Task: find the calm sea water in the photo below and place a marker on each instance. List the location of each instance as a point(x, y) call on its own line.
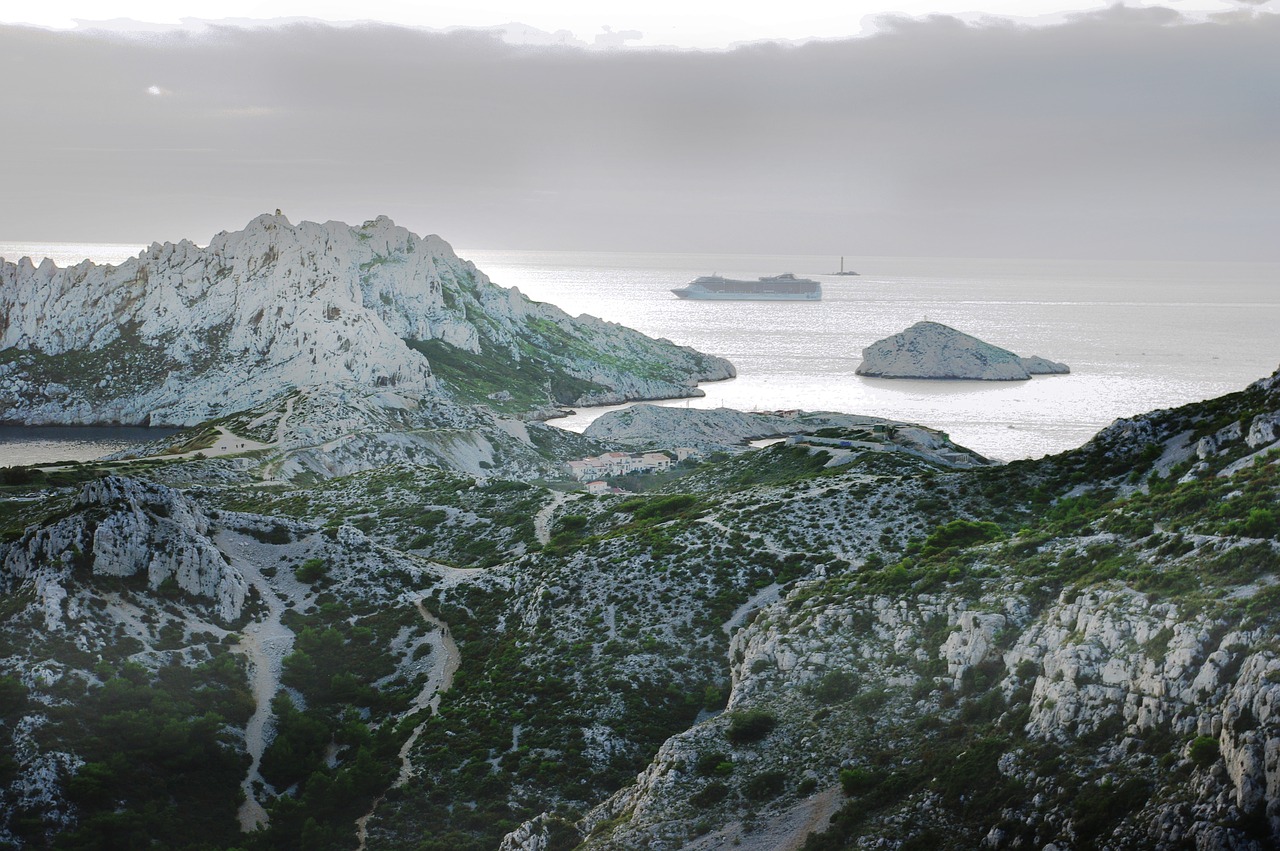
point(44, 445)
point(1137, 335)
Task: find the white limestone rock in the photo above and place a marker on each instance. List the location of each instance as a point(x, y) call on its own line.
point(934, 350)
point(124, 527)
point(973, 642)
point(532, 835)
point(725, 429)
point(1108, 662)
point(182, 334)
point(711, 428)
point(1264, 429)
point(1217, 442)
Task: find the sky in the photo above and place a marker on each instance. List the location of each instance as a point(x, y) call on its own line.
point(912, 128)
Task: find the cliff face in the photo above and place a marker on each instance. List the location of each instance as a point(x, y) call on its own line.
point(1174, 708)
point(933, 350)
point(182, 334)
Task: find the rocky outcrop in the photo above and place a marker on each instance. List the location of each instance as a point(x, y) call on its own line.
point(727, 430)
point(532, 835)
point(1108, 666)
point(124, 527)
point(933, 350)
point(182, 334)
point(712, 428)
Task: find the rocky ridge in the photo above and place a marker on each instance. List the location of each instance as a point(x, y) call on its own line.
point(183, 334)
point(934, 350)
point(712, 428)
point(1106, 666)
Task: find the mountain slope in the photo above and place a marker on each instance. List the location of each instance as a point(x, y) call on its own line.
point(1107, 678)
point(1082, 650)
point(183, 334)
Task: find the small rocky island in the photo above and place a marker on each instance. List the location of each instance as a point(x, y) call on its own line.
point(934, 350)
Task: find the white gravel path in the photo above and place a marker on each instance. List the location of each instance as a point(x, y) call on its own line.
point(542, 520)
point(444, 654)
point(264, 644)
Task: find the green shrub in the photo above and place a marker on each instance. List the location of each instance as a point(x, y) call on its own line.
point(713, 764)
point(712, 794)
point(835, 687)
point(1099, 808)
point(1261, 523)
point(960, 533)
point(750, 726)
point(1204, 751)
point(310, 571)
point(765, 786)
point(857, 781)
point(13, 696)
point(277, 534)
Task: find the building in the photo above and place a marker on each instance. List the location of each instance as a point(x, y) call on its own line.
point(619, 464)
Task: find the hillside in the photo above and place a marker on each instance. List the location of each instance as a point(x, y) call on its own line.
point(1082, 650)
point(183, 334)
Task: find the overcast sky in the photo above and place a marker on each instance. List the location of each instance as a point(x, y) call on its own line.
point(1122, 132)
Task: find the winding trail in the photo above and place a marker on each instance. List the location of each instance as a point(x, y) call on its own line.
point(542, 520)
point(264, 645)
point(782, 831)
point(438, 682)
point(230, 443)
point(446, 658)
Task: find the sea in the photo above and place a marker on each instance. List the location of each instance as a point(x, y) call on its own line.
point(1137, 335)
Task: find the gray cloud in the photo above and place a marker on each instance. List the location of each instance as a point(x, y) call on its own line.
point(1123, 133)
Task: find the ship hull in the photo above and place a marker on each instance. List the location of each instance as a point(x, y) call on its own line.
point(722, 295)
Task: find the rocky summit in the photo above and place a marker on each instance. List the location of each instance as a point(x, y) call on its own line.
point(182, 333)
point(934, 350)
point(364, 615)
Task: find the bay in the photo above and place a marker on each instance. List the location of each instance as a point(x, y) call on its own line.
point(27, 445)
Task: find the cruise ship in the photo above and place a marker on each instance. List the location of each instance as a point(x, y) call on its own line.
point(785, 287)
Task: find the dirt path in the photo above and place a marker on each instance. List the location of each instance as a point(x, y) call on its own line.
point(444, 653)
point(264, 645)
point(542, 520)
point(229, 443)
point(451, 577)
point(784, 831)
